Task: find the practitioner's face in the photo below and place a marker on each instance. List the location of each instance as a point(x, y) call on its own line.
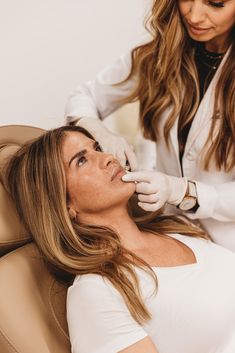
point(208, 21)
point(93, 177)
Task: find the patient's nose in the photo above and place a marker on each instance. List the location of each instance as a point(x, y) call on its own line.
point(107, 160)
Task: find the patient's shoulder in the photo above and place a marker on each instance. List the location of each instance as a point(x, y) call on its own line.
point(89, 277)
point(89, 280)
point(91, 283)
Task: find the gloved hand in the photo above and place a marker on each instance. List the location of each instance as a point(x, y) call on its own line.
point(155, 189)
point(110, 142)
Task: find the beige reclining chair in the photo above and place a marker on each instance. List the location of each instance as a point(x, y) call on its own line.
point(32, 302)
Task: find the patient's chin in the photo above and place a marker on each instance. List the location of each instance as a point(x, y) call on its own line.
point(129, 191)
point(129, 187)
point(133, 187)
point(120, 195)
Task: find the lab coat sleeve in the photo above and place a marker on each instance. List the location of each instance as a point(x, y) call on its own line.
point(217, 202)
point(100, 97)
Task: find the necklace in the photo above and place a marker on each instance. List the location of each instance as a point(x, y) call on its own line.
point(212, 55)
point(209, 59)
point(207, 63)
point(212, 67)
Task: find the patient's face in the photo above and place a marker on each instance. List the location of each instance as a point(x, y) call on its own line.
point(93, 177)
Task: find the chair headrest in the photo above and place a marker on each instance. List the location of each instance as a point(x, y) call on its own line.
point(32, 305)
point(12, 232)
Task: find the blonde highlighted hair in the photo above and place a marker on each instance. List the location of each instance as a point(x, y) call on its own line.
point(35, 178)
point(166, 70)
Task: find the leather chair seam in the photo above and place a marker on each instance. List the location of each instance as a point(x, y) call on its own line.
point(2, 258)
point(14, 242)
point(8, 342)
point(53, 312)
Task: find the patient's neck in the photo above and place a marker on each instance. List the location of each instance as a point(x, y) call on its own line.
point(120, 221)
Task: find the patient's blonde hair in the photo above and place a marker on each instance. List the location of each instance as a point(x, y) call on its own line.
point(35, 179)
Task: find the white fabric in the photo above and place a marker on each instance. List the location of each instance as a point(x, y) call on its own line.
point(154, 189)
point(99, 98)
point(192, 312)
point(216, 189)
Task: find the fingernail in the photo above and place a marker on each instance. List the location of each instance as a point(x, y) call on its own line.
point(125, 177)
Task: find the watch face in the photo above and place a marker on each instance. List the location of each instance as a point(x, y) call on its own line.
point(187, 203)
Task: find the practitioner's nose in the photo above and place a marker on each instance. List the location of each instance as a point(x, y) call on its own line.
point(197, 13)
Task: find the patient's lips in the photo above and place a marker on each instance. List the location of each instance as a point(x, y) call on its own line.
point(117, 173)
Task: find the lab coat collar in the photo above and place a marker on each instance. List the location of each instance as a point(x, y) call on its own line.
point(202, 117)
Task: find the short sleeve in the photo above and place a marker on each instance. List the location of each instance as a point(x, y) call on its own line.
point(98, 319)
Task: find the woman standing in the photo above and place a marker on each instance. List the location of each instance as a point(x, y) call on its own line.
point(184, 79)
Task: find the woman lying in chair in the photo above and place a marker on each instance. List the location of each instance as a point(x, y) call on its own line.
point(146, 285)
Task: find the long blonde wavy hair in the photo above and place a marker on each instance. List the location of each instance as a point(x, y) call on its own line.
point(35, 179)
point(166, 68)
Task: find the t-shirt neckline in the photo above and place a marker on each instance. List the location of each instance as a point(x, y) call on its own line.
point(186, 240)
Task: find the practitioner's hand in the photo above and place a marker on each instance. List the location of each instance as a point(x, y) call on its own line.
point(110, 142)
point(155, 189)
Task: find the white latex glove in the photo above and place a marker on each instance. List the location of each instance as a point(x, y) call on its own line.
point(155, 189)
point(110, 142)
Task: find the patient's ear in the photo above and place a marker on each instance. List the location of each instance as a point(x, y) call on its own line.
point(72, 213)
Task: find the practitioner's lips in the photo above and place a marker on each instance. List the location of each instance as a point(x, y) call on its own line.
point(117, 173)
point(197, 30)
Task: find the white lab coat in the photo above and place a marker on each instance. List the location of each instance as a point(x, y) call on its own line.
point(216, 189)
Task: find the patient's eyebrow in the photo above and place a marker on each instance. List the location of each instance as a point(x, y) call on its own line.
point(83, 152)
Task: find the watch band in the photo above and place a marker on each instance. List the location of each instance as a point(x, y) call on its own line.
point(190, 201)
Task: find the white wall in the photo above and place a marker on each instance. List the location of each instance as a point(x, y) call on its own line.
point(49, 46)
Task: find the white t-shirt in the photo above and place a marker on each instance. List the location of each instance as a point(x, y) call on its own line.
point(193, 310)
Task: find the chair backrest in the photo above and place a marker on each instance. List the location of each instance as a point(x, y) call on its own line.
point(32, 301)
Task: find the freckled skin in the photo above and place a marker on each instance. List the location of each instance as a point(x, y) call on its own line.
point(88, 178)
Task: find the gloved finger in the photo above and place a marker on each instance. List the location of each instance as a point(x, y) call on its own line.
point(153, 198)
point(121, 157)
point(106, 147)
point(111, 147)
point(145, 188)
point(150, 207)
point(138, 176)
point(131, 157)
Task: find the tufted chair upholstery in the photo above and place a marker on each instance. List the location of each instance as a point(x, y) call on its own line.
point(32, 301)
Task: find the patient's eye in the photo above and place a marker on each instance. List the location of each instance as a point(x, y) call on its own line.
point(80, 161)
point(98, 148)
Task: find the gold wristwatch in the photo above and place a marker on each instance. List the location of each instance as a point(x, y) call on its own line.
point(190, 200)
